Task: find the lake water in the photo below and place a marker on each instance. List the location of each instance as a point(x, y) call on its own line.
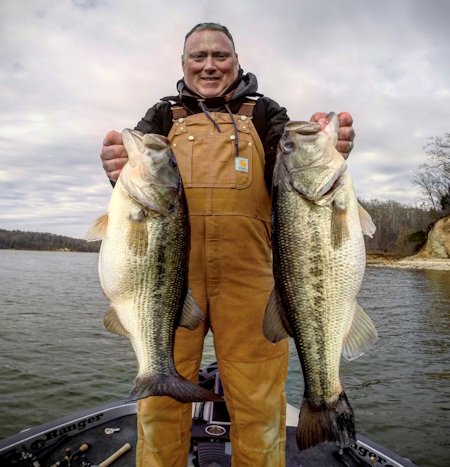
point(56, 358)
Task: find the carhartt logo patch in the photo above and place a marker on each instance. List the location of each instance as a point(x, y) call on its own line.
point(241, 164)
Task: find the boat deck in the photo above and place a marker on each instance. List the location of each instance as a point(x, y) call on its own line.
point(102, 446)
point(47, 445)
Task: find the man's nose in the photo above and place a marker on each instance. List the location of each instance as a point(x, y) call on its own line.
point(210, 64)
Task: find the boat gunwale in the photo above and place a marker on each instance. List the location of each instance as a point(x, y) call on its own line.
point(364, 448)
point(109, 411)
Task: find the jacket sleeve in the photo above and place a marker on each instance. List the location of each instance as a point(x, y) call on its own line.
point(158, 120)
point(269, 119)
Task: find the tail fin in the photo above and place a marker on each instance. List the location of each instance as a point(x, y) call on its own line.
point(175, 386)
point(327, 423)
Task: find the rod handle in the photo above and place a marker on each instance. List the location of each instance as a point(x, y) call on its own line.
point(126, 447)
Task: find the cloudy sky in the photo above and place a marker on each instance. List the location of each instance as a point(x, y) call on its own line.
point(72, 70)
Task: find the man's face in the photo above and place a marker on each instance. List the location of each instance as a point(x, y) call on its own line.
point(209, 62)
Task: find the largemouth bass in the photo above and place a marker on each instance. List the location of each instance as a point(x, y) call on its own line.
point(319, 262)
point(143, 265)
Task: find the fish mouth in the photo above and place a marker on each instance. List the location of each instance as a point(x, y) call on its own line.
point(331, 115)
point(302, 128)
point(333, 122)
point(327, 190)
point(333, 185)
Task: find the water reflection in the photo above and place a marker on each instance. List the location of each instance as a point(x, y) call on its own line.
point(438, 313)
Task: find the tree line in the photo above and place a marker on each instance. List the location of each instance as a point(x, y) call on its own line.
point(401, 229)
point(19, 240)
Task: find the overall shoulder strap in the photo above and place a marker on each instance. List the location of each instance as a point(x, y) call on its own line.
point(178, 111)
point(247, 108)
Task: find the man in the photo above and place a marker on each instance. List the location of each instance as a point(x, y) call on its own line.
point(224, 136)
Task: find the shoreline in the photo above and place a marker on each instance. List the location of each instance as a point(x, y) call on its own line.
point(436, 264)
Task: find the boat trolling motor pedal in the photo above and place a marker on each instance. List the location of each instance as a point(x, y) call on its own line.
point(211, 424)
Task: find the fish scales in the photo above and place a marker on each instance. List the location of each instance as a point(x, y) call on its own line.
point(163, 263)
point(319, 263)
point(143, 265)
point(329, 280)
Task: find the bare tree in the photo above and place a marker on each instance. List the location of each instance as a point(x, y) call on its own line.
point(401, 229)
point(433, 177)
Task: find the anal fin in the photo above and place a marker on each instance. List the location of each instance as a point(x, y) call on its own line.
point(192, 315)
point(275, 325)
point(361, 336)
point(113, 324)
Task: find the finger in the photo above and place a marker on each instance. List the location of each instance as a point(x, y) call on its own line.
point(113, 167)
point(345, 119)
point(346, 133)
point(344, 147)
point(109, 153)
point(115, 163)
point(114, 176)
point(113, 152)
point(317, 116)
point(112, 137)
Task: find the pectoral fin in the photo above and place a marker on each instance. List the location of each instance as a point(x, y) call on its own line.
point(113, 324)
point(192, 315)
point(339, 221)
point(98, 229)
point(361, 336)
point(138, 235)
point(275, 325)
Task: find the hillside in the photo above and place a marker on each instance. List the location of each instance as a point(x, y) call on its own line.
point(19, 240)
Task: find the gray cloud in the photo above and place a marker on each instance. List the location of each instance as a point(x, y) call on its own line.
point(73, 70)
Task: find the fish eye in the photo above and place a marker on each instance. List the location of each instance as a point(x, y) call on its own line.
point(288, 145)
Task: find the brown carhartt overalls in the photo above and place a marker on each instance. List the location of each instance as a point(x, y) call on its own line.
point(230, 273)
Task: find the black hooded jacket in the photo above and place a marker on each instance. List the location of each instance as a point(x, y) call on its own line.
point(268, 117)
